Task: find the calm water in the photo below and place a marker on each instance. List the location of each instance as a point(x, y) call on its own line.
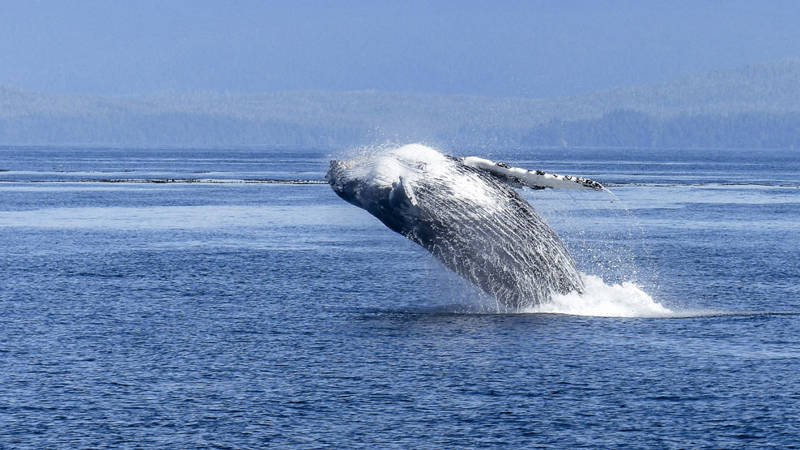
point(245, 314)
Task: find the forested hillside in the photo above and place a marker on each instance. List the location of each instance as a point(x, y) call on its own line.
point(754, 107)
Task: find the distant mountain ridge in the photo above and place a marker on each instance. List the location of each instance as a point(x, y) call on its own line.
point(759, 103)
point(772, 88)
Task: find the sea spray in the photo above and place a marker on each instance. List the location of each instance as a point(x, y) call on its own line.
point(626, 299)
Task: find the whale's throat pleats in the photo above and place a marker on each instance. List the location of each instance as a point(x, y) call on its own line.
point(489, 235)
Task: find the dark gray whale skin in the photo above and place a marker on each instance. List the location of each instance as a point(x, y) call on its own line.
point(506, 248)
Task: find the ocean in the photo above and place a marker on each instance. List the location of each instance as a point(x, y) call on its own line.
point(229, 298)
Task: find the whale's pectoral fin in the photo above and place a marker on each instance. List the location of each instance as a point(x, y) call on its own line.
point(535, 179)
point(402, 194)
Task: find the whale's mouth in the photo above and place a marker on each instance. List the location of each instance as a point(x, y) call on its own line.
point(334, 172)
point(341, 180)
point(342, 184)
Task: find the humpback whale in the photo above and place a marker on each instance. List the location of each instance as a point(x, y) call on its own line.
point(467, 213)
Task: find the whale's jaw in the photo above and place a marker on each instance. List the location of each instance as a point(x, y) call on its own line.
point(337, 178)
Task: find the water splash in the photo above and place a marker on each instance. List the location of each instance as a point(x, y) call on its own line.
point(605, 300)
point(613, 249)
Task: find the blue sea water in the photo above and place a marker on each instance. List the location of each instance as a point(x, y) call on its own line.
point(138, 308)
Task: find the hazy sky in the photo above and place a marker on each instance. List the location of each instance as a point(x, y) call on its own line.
point(505, 48)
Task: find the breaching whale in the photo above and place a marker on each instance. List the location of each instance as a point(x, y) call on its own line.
point(466, 212)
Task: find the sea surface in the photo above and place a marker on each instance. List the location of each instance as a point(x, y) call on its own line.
point(228, 298)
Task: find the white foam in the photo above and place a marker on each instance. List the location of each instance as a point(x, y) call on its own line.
point(407, 162)
point(412, 163)
point(605, 300)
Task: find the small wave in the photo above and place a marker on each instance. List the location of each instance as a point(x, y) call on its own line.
point(604, 300)
point(705, 185)
point(205, 181)
point(176, 181)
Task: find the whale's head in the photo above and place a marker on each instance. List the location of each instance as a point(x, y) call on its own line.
point(344, 182)
point(384, 183)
